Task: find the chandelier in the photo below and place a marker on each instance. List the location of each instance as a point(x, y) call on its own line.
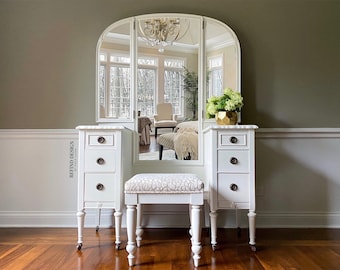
point(162, 32)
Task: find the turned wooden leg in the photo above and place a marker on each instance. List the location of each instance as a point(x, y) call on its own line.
point(190, 221)
point(139, 229)
point(131, 233)
point(251, 218)
point(196, 247)
point(213, 229)
point(98, 218)
point(80, 220)
point(118, 226)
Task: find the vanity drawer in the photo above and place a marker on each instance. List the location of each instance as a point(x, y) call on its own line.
point(233, 161)
point(99, 187)
point(232, 189)
point(94, 139)
point(100, 161)
point(232, 139)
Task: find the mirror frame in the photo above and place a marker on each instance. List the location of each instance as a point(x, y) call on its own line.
point(131, 123)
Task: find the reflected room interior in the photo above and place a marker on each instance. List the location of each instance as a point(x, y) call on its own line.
point(164, 59)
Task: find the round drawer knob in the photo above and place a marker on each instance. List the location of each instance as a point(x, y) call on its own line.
point(100, 187)
point(234, 160)
point(101, 139)
point(233, 187)
point(100, 161)
point(233, 139)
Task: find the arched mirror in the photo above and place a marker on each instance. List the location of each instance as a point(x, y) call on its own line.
point(154, 74)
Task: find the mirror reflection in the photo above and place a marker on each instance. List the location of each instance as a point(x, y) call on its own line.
point(114, 74)
point(168, 53)
point(154, 75)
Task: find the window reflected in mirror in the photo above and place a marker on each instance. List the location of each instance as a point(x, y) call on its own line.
point(222, 59)
point(114, 74)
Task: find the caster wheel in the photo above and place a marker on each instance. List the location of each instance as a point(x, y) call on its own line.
point(97, 228)
point(253, 248)
point(214, 247)
point(79, 246)
point(117, 246)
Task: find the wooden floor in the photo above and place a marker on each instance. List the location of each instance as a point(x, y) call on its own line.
point(152, 147)
point(165, 249)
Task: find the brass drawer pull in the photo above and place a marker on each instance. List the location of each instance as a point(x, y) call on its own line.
point(233, 139)
point(100, 161)
point(101, 139)
point(100, 187)
point(234, 160)
point(233, 187)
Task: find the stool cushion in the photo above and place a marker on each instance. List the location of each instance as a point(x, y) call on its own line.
point(167, 140)
point(164, 183)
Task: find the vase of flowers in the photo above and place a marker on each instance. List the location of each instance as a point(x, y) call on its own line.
point(224, 108)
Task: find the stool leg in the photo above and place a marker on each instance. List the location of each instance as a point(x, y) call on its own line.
point(131, 233)
point(196, 247)
point(139, 229)
point(118, 224)
point(160, 152)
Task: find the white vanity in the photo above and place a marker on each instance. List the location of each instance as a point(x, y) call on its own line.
point(134, 75)
point(102, 168)
point(229, 163)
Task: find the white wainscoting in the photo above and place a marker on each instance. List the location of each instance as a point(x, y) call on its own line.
point(298, 177)
point(297, 184)
point(38, 172)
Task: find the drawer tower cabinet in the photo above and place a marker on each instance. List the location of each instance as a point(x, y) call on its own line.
point(102, 168)
point(230, 172)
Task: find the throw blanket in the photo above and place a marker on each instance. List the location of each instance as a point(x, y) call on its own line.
point(185, 143)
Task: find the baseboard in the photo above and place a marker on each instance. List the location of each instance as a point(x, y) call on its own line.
point(298, 220)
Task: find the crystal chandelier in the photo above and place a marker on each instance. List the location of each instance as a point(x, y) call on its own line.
point(162, 32)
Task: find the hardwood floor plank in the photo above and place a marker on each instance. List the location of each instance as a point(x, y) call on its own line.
point(169, 249)
point(22, 257)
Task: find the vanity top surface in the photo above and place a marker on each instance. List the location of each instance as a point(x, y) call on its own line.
point(219, 127)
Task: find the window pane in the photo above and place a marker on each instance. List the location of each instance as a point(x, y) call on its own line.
point(150, 61)
point(102, 85)
point(216, 62)
point(103, 57)
point(175, 63)
point(215, 76)
point(119, 103)
point(216, 83)
point(173, 89)
point(119, 59)
point(146, 91)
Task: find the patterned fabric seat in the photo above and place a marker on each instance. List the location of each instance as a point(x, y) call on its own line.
point(166, 140)
point(164, 183)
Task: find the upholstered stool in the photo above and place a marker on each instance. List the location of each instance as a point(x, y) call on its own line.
point(159, 188)
point(166, 140)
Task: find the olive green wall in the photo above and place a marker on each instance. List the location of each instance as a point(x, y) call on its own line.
point(290, 58)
